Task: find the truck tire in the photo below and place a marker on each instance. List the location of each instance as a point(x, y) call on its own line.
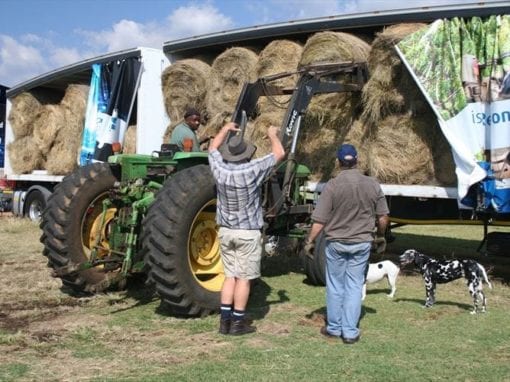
point(35, 203)
point(69, 226)
point(315, 269)
point(182, 243)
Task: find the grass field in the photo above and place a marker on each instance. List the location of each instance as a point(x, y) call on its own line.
point(46, 335)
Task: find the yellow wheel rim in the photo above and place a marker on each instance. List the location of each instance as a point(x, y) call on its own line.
point(204, 249)
point(92, 229)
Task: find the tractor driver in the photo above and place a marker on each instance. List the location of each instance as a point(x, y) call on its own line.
point(184, 134)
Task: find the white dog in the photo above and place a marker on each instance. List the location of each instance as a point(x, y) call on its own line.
point(377, 271)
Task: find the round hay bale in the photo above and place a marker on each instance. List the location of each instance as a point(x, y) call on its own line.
point(382, 50)
point(62, 158)
point(334, 110)
point(257, 132)
point(401, 152)
point(214, 124)
point(76, 98)
point(326, 47)
point(229, 71)
point(48, 121)
point(129, 146)
point(184, 85)
point(317, 145)
point(23, 111)
point(24, 155)
point(277, 57)
point(72, 127)
point(65, 150)
point(390, 89)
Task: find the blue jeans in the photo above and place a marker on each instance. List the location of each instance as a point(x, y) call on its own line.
point(345, 276)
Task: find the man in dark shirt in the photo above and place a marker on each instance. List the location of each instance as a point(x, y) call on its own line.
point(349, 209)
point(184, 134)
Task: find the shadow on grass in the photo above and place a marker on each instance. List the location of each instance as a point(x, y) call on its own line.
point(319, 316)
point(446, 303)
point(259, 304)
point(139, 290)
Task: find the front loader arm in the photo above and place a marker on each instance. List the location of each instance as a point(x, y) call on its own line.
point(313, 79)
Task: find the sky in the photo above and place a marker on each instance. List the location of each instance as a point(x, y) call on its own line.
point(37, 36)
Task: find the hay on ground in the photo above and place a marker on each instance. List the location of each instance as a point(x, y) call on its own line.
point(23, 111)
point(185, 85)
point(24, 155)
point(48, 121)
point(229, 71)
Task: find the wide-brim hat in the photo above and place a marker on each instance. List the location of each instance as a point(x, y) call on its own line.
point(237, 151)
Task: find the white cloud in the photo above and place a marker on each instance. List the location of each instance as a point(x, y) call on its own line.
point(30, 55)
point(196, 20)
point(19, 61)
point(184, 21)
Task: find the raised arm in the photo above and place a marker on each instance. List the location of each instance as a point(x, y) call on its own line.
point(276, 144)
point(222, 135)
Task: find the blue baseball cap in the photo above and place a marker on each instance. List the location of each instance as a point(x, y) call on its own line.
point(347, 154)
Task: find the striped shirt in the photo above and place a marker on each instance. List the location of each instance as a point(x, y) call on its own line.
point(239, 190)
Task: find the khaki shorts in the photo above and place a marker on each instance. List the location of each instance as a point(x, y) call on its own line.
point(241, 251)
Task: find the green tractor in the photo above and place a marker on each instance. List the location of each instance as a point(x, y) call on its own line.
point(155, 214)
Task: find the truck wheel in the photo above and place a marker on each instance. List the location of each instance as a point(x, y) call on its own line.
point(35, 203)
point(315, 269)
point(183, 245)
point(70, 226)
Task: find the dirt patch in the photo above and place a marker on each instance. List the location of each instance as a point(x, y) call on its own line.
point(313, 319)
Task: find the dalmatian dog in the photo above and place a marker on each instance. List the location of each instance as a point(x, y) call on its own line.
point(377, 271)
point(440, 272)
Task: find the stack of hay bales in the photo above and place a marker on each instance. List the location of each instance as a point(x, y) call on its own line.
point(277, 57)
point(63, 155)
point(390, 122)
point(23, 152)
point(52, 132)
point(330, 116)
point(403, 142)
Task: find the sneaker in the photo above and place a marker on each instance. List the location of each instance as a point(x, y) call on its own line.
point(225, 325)
point(240, 327)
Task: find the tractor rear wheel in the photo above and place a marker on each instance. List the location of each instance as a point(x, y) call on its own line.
point(315, 269)
point(182, 243)
point(70, 225)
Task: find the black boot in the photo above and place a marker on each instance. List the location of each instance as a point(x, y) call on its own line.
point(225, 324)
point(240, 327)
